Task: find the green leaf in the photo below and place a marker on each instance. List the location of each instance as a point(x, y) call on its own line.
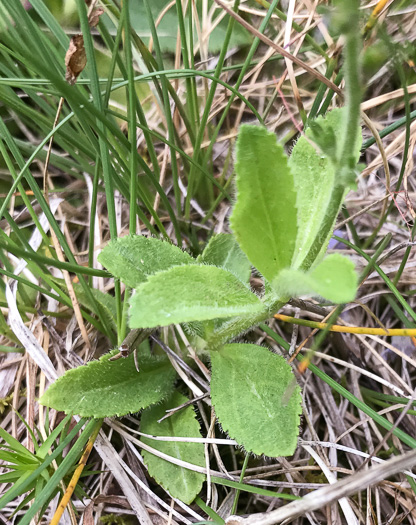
point(14, 444)
point(104, 389)
point(264, 219)
point(314, 179)
point(181, 483)
point(313, 171)
point(134, 257)
point(224, 251)
point(334, 279)
point(256, 398)
point(190, 293)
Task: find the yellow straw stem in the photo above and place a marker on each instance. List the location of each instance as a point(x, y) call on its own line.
point(374, 15)
point(74, 480)
point(363, 330)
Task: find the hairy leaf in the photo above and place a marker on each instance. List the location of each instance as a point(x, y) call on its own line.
point(224, 251)
point(181, 483)
point(104, 389)
point(334, 279)
point(134, 257)
point(190, 293)
point(264, 219)
point(314, 176)
point(256, 398)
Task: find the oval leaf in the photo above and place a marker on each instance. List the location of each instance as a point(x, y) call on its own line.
point(264, 218)
point(333, 279)
point(314, 176)
point(223, 251)
point(314, 179)
point(134, 257)
point(104, 389)
point(181, 483)
point(256, 398)
point(190, 293)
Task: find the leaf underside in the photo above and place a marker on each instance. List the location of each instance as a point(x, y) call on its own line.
point(190, 293)
point(333, 279)
point(181, 483)
point(104, 389)
point(314, 178)
point(256, 398)
point(264, 218)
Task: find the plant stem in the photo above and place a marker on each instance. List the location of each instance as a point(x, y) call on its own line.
point(409, 332)
point(237, 492)
point(239, 325)
point(353, 89)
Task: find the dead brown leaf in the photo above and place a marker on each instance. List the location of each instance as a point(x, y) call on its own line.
point(75, 59)
point(94, 16)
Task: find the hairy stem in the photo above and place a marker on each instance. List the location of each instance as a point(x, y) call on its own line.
point(238, 326)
